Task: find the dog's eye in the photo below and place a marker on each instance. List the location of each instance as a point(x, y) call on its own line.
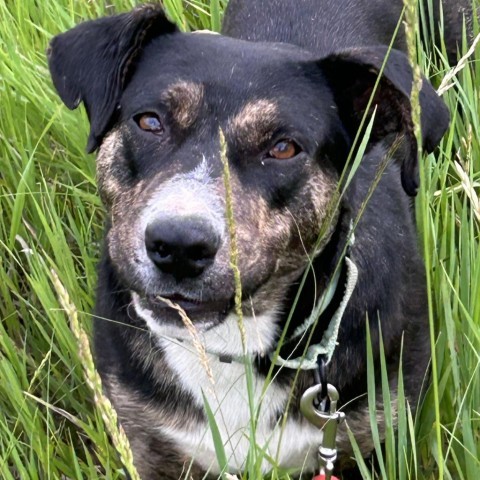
point(284, 149)
point(150, 123)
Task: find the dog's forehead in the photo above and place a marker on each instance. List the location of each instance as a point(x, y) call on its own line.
point(189, 68)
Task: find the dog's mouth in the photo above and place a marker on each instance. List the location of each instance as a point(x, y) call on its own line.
point(170, 307)
point(191, 306)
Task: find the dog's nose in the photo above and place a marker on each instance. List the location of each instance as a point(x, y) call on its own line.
point(182, 247)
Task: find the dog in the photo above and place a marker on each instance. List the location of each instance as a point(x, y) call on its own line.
point(287, 84)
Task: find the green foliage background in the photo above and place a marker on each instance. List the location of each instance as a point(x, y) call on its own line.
point(52, 220)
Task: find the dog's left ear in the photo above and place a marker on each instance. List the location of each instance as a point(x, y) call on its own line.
point(352, 75)
point(93, 61)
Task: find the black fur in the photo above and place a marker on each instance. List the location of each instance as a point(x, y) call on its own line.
point(320, 79)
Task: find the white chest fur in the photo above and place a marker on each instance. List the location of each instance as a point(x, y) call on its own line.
point(291, 445)
point(228, 398)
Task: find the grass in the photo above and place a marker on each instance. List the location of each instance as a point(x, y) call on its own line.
point(50, 425)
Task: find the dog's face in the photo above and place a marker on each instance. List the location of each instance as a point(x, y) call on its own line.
point(161, 175)
point(157, 101)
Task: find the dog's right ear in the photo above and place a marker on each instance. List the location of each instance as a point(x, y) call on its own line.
point(93, 61)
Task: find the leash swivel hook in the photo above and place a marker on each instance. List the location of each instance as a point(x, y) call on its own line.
point(328, 421)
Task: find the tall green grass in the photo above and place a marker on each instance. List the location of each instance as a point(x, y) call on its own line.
point(50, 426)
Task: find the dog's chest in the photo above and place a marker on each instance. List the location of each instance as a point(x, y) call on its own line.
point(290, 444)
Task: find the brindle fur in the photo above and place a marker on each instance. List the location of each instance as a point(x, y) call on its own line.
point(313, 88)
point(185, 101)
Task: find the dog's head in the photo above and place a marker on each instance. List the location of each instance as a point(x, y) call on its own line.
point(157, 100)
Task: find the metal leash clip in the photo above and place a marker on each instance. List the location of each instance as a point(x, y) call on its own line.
point(328, 421)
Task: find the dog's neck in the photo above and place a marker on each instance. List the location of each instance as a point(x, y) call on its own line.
point(299, 305)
